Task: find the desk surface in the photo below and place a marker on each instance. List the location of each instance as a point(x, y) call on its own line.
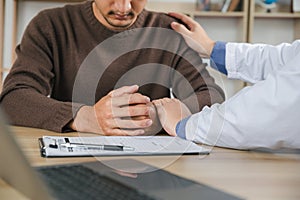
point(247, 174)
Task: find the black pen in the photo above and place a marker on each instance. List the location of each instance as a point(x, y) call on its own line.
point(98, 147)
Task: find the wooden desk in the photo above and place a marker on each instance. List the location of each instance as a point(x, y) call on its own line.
point(248, 174)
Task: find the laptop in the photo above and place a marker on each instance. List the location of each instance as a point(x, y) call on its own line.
point(110, 179)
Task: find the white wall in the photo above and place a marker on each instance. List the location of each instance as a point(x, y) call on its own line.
point(27, 10)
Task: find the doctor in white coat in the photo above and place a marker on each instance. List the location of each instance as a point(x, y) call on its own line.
point(266, 114)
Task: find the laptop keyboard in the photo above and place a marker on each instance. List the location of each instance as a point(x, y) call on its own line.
point(79, 182)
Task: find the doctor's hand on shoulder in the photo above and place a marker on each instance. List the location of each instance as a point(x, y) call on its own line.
point(194, 34)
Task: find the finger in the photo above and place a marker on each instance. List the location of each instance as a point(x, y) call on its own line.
point(125, 123)
point(132, 124)
point(119, 126)
point(185, 19)
point(139, 117)
point(120, 132)
point(124, 90)
point(167, 100)
point(129, 99)
point(159, 107)
point(157, 104)
point(179, 28)
point(133, 111)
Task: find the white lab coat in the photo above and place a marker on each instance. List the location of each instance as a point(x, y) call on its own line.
point(266, 114)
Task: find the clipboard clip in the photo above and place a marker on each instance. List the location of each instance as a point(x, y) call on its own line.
point(43, 147)
point(53, 145)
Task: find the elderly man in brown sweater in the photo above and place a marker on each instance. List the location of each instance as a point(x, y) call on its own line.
point(97, 65)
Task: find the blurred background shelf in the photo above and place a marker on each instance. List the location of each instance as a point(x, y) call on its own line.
point(280, 25)
point(277, 15)
point(217, 14)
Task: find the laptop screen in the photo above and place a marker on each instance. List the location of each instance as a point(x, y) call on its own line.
point(15, 169)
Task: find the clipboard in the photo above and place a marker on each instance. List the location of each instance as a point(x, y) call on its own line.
point(59, 146)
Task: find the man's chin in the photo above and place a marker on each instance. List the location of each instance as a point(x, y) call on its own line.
point(120, 24)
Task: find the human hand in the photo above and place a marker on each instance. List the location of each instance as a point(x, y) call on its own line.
point(156, 126)
point(194, 35)
point(123, 112)
point(170, 112)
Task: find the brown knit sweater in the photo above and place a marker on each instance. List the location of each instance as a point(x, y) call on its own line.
point(67, 58)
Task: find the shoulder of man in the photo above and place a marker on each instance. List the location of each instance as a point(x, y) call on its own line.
point(159, 19)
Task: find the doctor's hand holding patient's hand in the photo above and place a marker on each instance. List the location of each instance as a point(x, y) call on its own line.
point(194, 34)
point(123, 111)
point(170, 112)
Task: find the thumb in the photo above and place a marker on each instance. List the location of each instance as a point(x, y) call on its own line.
point(124, 90)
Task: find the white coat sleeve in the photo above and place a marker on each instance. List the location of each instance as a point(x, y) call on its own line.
point(263, 115)
point(254, 62)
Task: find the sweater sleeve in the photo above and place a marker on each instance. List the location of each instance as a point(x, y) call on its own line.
point(27, 88)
